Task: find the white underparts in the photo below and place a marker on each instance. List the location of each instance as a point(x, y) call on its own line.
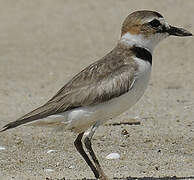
point(82, 118)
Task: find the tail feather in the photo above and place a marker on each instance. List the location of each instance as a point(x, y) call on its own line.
point(39, 113)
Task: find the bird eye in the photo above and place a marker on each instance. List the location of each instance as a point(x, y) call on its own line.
point(155, 23)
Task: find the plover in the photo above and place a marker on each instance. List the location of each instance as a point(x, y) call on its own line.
point(106, 88)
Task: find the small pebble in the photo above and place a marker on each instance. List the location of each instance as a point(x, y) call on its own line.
point(113, 156)
point(71, 167)
point(124, 132)
point(49, 170)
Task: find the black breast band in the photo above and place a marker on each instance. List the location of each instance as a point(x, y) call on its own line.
point(142, 53)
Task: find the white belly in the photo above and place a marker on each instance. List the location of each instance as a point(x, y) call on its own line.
point(80, 119)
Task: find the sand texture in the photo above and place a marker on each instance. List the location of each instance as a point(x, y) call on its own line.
point(43, 43)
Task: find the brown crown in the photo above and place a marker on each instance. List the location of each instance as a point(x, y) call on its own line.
point(133, 22)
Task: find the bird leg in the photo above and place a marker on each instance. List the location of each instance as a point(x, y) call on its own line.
point(79, 147)
point(88, 145)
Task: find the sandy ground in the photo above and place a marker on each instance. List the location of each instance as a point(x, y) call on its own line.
point(44, 42)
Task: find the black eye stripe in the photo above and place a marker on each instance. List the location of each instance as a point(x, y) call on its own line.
point(155, 23)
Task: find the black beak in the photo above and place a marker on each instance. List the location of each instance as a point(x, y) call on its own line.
point(178, 31)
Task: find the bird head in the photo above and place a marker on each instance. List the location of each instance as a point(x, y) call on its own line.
point(147, 28)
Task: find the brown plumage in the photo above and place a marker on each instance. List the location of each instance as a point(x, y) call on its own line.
point(133, 22)
point(108, 87)
point(103, 80)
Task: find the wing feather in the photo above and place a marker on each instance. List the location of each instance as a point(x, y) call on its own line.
point(103, 80)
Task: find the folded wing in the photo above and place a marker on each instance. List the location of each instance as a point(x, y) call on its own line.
point(101, 81)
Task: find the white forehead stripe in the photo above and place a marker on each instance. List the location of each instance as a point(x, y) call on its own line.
point(161, 19)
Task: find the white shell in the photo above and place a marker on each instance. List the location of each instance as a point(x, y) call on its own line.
point(113, 156)
point(2, 148)
point(50, 151)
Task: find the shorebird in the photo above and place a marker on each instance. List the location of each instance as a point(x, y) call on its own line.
point(106, 88)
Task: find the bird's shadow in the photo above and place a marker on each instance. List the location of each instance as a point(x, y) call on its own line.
point(137, 178)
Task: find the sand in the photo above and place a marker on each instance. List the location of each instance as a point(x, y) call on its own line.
point(43, 43)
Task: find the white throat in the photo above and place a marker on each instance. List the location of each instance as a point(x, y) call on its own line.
point(140, 40)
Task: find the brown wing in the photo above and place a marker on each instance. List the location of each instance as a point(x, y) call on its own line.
point(103, 80)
